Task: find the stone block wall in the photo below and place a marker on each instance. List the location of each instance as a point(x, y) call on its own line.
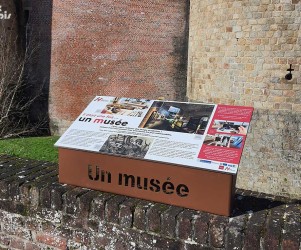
point(239, 53)
point(271, 159)
point(117, 48)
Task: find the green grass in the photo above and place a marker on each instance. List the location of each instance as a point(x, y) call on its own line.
point(37, 148)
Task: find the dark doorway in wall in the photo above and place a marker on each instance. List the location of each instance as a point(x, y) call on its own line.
point(181, 52)
point(34, 19)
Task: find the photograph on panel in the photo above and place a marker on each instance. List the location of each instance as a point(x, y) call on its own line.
point(127, 145)
point(127, 106)
point(178, 117)
point(224, 140)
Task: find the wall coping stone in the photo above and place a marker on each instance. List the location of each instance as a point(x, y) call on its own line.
point(37, 212)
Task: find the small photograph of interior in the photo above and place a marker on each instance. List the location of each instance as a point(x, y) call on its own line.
point(224, 140)
point(127, 106)
point(231, 127)
point(178, 117)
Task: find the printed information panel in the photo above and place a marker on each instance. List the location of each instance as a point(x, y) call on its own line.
point(198, 135)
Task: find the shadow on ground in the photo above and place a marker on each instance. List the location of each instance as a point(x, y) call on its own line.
point(247, 202)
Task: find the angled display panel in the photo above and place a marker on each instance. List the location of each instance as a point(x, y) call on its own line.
point(203, 136)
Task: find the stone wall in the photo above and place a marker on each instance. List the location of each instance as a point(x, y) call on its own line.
point(271, 159)
point(239, 53)
point(117, 48)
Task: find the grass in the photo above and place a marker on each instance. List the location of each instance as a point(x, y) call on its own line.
point(37, 148)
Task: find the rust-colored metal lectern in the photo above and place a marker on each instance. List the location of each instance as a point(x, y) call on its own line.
point(178, 153)
point(197, 189)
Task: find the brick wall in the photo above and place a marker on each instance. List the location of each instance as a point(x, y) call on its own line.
point(36, 212)
point(239, 52)
point(121, 48)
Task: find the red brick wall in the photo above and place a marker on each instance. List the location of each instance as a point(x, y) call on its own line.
point(121, 48)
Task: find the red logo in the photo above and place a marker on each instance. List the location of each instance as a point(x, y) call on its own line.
point(221, 167)
point(98, 99)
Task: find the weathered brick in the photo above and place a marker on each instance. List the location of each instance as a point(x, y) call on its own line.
point(234, 234)
point(17, 243)
point(100, 242)
point(255, 227)
point(146, 241)
point(50, 215)
point(169, 221)
point(14, 225)
point(75, 245)
point(201, 226)
point(13, 191)
point(57, 192)
point(24, 194)
point(189, 246)
point(85, 201)
point(217, 231)
point(126, 212)
point(5, 239)
point(121, 245)
point(184, 224)
point(63, 232)
point(272, 234)
point(292, 227)
point(97, 212)
point(71, 200)
point(164, 243)
point(140, 215)
point(154, 217)
point(31, 246)
point(92, 224)
point(82, 236)
point(73, 221)
point(45, 197)
point(131, 236)
point(51, 240)
point(47, 226)
point(112, 208)
point(32, 224)
point(18, 208)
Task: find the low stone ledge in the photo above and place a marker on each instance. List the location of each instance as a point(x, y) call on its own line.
point(37, 212)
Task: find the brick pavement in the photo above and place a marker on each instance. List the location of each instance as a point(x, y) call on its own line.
point(36, 212)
